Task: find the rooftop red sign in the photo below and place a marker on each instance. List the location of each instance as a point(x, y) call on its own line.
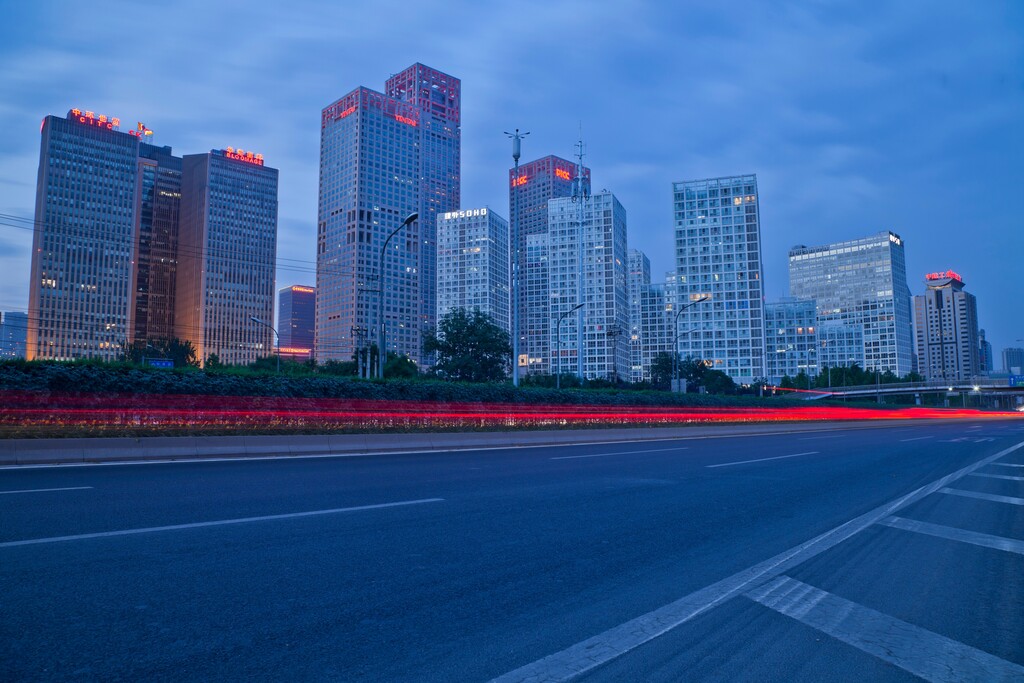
point(948, 275)
point(242, 155)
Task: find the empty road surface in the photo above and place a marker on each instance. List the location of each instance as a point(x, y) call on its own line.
point(893, 553)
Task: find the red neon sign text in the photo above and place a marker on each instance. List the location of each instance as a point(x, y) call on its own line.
point(241, 155)
point(562, 173)
point(517, 182)
point(90, 119)
point(406, 120)
point(347, 112)
point(949, 274)
point(300, 288)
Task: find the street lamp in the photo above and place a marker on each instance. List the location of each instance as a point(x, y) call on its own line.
point(675, 330)
point(514, 251)
point(260, 322)
point(558, 344)
point(380, 300)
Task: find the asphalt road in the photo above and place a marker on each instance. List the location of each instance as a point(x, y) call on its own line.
point(796, 557)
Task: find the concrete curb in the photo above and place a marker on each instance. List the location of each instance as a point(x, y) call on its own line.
point(158, 448)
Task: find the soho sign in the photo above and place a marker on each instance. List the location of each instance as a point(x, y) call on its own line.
point(465, 214)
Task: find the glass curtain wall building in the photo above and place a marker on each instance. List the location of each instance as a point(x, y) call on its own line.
point(602, 240)
point(80, 292)
point(13, 333)
point(863, 283)
point(227, 256)
point(473, 264)
point(718, 255)
point(384, 156)
point(791, 338)
point(296, 313)
point(549, 177)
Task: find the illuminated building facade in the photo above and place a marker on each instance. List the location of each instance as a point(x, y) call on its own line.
point(549, 177)
point(473, 264)
point(382, 157)
point(840, 345)
point(13, 333)
point(80, 293)
point(791, 339)
point(227, 253)
point(718, 255)
point(946, 329)
point(158, 193)
point(602, 241)
point(861, 282)
point(296, 317)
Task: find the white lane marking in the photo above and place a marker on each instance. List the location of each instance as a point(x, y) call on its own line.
point(597, 650)
point(601, 455)
point(1010, 545)
point(984, 496)
point(815, 438)
point(1009, 477)
point(219, 522)
point(1009, 464)
point(918, 438)
point(923, 653)
point(67, 488)
point(777, 457)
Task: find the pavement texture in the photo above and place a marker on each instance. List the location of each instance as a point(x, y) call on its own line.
point(889, 554)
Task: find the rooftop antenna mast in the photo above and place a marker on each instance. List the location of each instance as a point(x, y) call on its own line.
point(580, 194)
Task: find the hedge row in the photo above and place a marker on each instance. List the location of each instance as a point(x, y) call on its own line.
point(82, 378)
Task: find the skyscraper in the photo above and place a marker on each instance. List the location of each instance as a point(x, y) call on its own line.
point(80, 292)
point(1013, 360)
point(13, 331)
point(946, 329)
point(159, 199)
point(296, 314)
point(546, 178)
point(861, 282)
point(227, 255)
point(718, 255)
point(384, 156)
point(985, 359)
point(602, 241)
point(649, 328)
point(473, 264)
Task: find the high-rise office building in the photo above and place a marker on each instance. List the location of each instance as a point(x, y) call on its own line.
point(296, 315)
point(13, 332)
point(718, 255)
point(791, 340)
point(384, 156)
point(227, 253)
point(648, 319)
point(840, 345)
point(473, 264)
point(158, 194)
point(638, 281)
point(80, 292)
point(601, 241)
point(985, 359)
point(946, 329)
point(1013, 360)
point(546, 178)
point(861, 282)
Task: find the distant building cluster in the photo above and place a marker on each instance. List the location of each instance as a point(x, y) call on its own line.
point(134, 244)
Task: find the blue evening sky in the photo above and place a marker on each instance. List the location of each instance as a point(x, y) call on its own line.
point(856, 117)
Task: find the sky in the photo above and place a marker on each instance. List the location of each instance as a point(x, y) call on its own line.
point(856, 117)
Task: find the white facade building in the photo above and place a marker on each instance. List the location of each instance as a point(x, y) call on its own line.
point(946, 329)
point(604, 316)
point(718, 255)
point(473, 264)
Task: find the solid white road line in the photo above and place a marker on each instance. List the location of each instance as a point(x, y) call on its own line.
point(597, 650)
point(601, 455)
point(918, 438)
point(923, 653)
point(984, 496)
point(1010, 545)
point(220, 522)
point(67, 488)
point(1009, 464)
point(777, 457)
point(997, 476)
point(815, 438)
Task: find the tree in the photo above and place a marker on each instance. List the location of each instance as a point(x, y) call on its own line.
point(213, 362)
point(400, 366)
point(717, 382)
point(661, 370)
point(470, 347)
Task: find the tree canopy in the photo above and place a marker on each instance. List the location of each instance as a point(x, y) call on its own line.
point(470, 347)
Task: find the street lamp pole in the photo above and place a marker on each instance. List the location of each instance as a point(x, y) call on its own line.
point(514, 252)
point(380, 298)
point(260, 322)
point(675, 330)
point(558, 344)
